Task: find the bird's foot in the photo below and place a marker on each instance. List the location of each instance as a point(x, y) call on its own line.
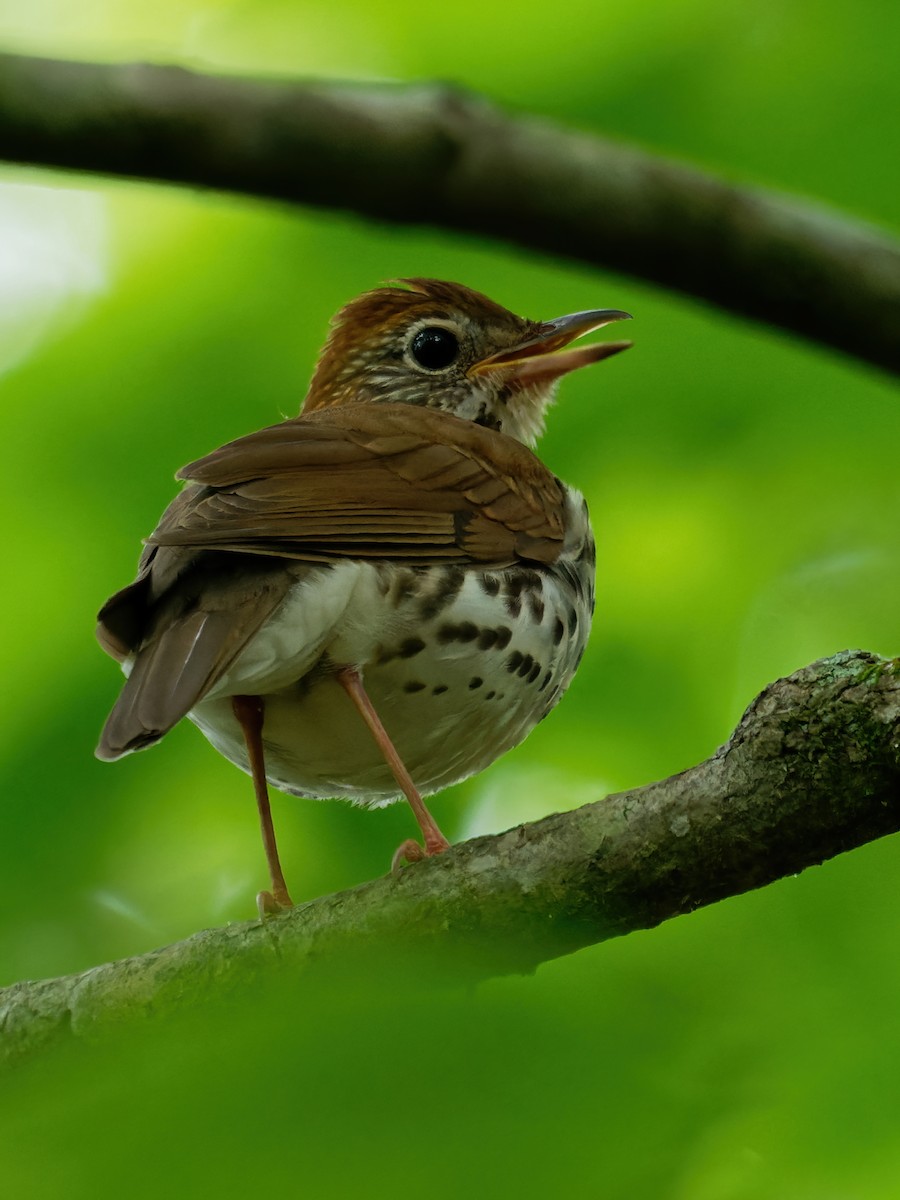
point(268, 905)
point(411, 852)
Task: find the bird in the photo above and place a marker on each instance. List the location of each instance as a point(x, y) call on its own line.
point(380, 596)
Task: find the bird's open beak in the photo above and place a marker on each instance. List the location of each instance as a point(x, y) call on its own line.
point(542, 358)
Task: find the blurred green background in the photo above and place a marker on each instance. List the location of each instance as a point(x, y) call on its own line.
point(745, 495)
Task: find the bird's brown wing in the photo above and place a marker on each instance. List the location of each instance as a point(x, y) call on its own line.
point(362, 481)
point(371, 481)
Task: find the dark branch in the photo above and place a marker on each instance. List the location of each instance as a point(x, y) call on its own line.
point(434, 156)
point(812, 770)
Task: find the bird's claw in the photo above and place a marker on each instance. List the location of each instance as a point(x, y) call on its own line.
point(411, 852)
point(268, 905)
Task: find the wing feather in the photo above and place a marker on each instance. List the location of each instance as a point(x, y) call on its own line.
point(368, 481)
point(378, 477)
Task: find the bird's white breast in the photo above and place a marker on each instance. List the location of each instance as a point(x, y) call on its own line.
point(459, 662)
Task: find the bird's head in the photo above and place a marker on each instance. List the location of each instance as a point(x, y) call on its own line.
point(441, 345)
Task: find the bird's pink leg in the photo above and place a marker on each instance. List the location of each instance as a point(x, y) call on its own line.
point(435, 842)
point(250, 711)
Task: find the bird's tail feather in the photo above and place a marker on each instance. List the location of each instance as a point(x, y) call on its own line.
point(168, 677)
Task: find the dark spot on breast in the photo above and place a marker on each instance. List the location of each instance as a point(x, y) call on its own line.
point(486, 419)
point(513, 584)
point(513, 605)
point(405, 586)
point(504, 633)
point(536, 604)
point(465, 631)
point(439, 690)
point(475, 682)
point(447, 588)
point(573, 622)
point(558, 631)
point(525, 666)
point(490, 584)
point(411, 647)
point(534, 672)
point(414, 686)
point(545, 680)
point(514, 661)
point(490, 695)
point(486, 639)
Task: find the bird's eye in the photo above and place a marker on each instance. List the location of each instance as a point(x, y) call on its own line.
point(434, 348)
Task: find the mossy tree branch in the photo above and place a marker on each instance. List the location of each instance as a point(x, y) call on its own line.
point(812, 770)
point(431, 155)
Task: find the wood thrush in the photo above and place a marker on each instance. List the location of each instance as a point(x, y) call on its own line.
point(382, 595)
